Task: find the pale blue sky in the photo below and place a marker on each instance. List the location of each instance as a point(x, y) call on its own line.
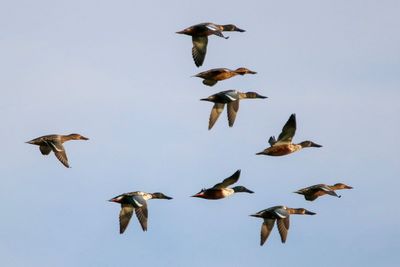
point(116, 72)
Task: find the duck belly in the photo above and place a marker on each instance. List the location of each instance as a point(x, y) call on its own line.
point(281, 150)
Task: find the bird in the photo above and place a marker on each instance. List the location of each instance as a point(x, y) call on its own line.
point(231, 98)
point(135, 201)
point(199, 33)
point(211, 77)
point(54, 142)
point(284, 146)
point(221, 190)
point(311, 193)
point(281, 215)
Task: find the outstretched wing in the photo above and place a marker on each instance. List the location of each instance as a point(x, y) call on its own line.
point(215, 112)
point(283, 227)
point(142, 212)
point(228, 181)
point(59, 151)
point(266, 229)
point(209, 82)
point(199, 49)
point(288, 130)
point(44, 149)
point(125, 216)
point(233, 108)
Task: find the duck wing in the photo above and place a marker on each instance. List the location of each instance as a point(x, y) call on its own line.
point(215, 112)
point(329, 191)
point(199, 49)
point(45, 149)
point(233, 108)
point(59, 151)
point(288, 130)
point(283, 227)
point(209, 82)
point(125, 216)
point(141, 212)
point(228, 181)
point(272, 140)
point(266, 229)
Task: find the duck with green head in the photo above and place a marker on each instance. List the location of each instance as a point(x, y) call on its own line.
point(284, 146)
point(221, 190)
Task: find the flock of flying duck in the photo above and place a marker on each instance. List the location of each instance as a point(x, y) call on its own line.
point(137, 201)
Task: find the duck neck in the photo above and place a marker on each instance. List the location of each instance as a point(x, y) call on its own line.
point(295, 211)
point(228, 27)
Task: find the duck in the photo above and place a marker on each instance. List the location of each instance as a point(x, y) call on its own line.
point(311, 193)
point(284, 146)
point(281, 215)
point(231, 98)
point(211, 77)
point(200, 33)
point(135, 201)
point(54, 142)
point(221, 190)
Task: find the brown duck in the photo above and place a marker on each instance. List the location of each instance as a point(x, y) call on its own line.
point(284, 146)
point(221, 190)
point(311, 193)
point(281, 215)
point(231, 98)
point(199, 33)
point(54, 142)
point(211, 77)
point(135, 201)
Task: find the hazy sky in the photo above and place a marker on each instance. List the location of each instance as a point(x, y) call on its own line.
point(116, 72)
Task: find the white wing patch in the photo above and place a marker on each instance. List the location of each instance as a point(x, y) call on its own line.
point(231, 98)
point(281, 213)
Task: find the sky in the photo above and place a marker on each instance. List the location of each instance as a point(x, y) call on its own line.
point(116, 72)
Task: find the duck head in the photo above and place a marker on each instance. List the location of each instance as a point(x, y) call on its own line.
point(243, 71)
point(232, 28)
point(301, 211)
point(159, 195)
point(241, 189)
point(75, 136)
point(342, 186)
point(309, 144)
point(254, 95)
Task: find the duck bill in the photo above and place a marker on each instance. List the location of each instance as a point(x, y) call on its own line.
point(239, 30)
point(249, 191)
point(309, 212)
point(298, 192)
point(84, 138)
point(252, 72)
point(261, 96)
point(348, 187)
point(315, 145)
point(167, 197)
